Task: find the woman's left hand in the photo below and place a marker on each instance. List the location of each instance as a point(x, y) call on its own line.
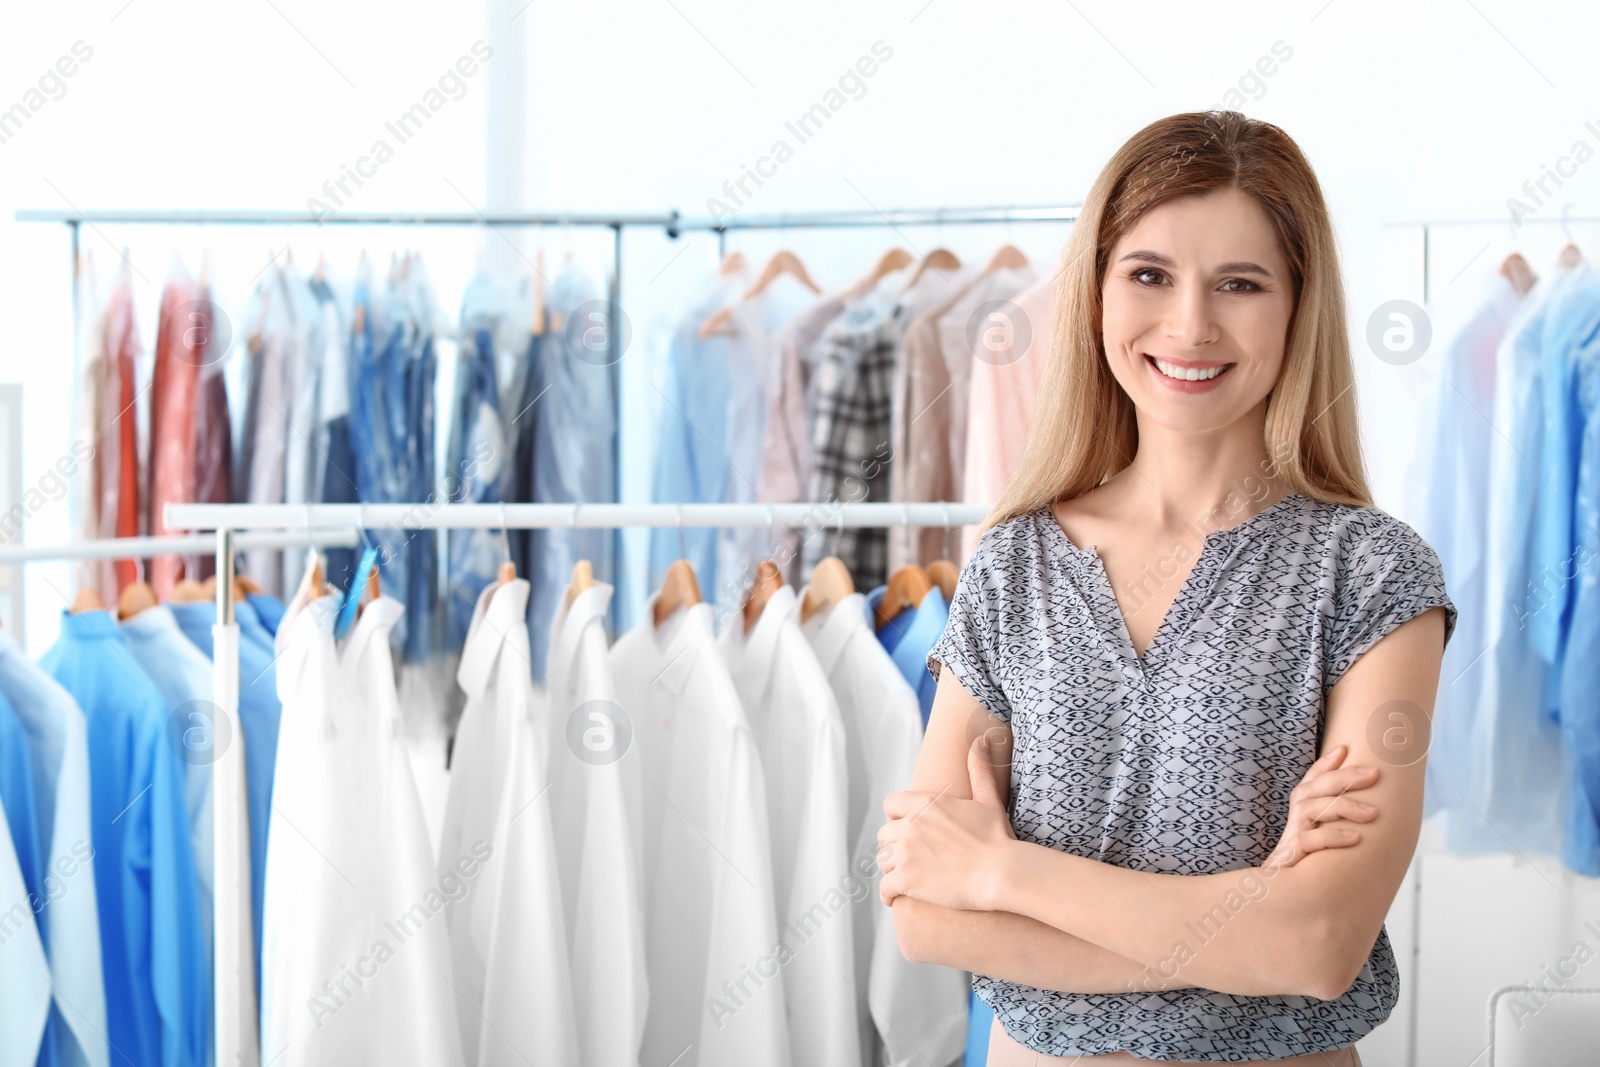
point(946, 850)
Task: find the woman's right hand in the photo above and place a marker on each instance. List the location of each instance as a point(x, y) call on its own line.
point(1321, 809)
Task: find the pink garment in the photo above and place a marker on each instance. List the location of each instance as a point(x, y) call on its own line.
point(1008, 365)
point(181, 332)
point(786, 448)
point(116, 461)
point(932, 390)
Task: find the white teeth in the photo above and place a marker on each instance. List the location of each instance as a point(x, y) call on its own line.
point(1187, 374)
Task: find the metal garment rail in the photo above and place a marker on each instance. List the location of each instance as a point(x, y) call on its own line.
point(174, 545)
point(1564, 219)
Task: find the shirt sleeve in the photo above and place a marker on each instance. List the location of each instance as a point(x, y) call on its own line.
point(1388, 576)
point(968, 642)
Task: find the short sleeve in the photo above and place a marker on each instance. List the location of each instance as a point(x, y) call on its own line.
point(1387, 576)
point(968, 642)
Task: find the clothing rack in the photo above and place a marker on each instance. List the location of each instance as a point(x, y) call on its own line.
point(1564, 220)
point(235, 991)
point(175, 545)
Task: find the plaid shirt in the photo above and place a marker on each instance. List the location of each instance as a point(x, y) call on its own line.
point(851, 407)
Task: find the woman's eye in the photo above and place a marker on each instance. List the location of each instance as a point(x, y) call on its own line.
point(1241, 281)
point(1138, 275)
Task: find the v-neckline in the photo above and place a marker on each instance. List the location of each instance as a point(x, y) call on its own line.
point(1113, 625)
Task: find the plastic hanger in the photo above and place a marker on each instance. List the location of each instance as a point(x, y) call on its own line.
point(137, 597)
point(679, 587)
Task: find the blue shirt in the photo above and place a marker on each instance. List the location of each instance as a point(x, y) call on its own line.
point(157, 975)
point(69, 927)
point(909, 637)
point(267, 611)
point(1511, 793)
point(477, 458)
point(259, 714)
point(574, 451)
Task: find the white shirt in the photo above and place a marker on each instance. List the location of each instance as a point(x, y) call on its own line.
point(354, 963)
point(24, 974)
point(800, 736)
point(507, 936)
point(918, 1011)
point(595, 791)
point(715, 965)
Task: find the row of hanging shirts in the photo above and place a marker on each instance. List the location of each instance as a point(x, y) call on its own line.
point(1507, 490)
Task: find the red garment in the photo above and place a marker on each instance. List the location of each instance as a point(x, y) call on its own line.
point(181, 333)
point(116, 465)
point(213, 432)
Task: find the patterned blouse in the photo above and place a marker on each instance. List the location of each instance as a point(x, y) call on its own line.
point(1180, 761)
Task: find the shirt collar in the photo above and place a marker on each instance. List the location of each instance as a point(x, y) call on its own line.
point(156, 622)
point(920, 629)
point(500, 609)
point(831, 632)
point(754, 653)
point(377, 619)
point(571, 621)
point(677, 642)
point(90, 625)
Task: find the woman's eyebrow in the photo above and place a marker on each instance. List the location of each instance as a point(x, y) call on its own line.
point(1145, 255)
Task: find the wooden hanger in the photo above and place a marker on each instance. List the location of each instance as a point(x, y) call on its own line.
point(782, 262)
point(538, 291)
point(905, 590)
point(679, 589)
point(87, 599)
point(372, 592)
point(768, 580)
point(943, 574)
point(830, 583)
point(582, 578)
point(189, 591)
point(137, 597)
point(718, 324)
point(310, 588)
point(891, 261)
point(1570, 256)
point(732, 263)
point(1516, 270)
point(1006, 257)
point(940, 259)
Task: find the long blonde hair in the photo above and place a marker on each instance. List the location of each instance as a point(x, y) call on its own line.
point(1083, 429)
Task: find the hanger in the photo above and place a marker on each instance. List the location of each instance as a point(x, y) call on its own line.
point(137, 597)
point(189, 591)
point(891, 261)
point(582, 579)
point(906, 587)
point(1571, 255)
point(939, 259)
point(1006, 257)
point(782, 262)
point(830, 583)
point(942, 572)
point(718, 324)
point(732, 263)
point(1515, 269)
point(679, 588)
point(768, 580)
point(538, 291)
point(87, 599)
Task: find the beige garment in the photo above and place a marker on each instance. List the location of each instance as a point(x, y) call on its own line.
point(786, 447)
point(930, 406)
point(1006, 1051)
point(1006, 369)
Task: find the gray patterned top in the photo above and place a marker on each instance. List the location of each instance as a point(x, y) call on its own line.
point(1181, 761)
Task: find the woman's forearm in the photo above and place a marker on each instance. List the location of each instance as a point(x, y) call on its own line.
point(1214, 931)
point(1018, 949)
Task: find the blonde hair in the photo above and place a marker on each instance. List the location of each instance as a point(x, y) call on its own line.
point(1083, 429)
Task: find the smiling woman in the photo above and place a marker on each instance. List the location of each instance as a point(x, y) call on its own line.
point(1183, 616)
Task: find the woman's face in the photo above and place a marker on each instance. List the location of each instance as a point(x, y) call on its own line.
point(1197, 300)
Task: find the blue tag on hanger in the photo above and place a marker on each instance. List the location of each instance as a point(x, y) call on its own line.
point(352, 597)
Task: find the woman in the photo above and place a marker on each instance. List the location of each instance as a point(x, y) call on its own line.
point(1120, 821)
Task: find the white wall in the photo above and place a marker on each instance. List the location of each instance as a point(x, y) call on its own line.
point(1405, 109)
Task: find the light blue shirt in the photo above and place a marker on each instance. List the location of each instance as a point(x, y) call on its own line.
point(268, 612)
point(157, 974)
point(183, 675)
point(259, 714)
point(68, 921)
point(909, 637)
point(574, 454)
point(1511, 794)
